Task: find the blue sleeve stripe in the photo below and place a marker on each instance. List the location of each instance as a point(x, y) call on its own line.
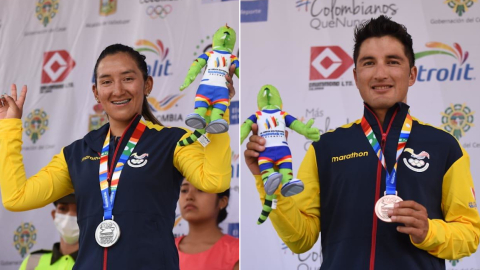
point(237, 64)
point(289, 119)
point(253, 118)
point(204, 56)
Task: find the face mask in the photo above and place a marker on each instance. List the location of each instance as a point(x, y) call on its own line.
point(67, 227)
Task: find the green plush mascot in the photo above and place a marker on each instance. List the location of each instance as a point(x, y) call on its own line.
point(272, 121)
point(213, 92)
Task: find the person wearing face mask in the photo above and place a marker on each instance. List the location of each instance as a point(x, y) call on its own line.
point(64, 253)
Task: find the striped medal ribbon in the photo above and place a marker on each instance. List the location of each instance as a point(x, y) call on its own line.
point(390, 195)
point(108, 231)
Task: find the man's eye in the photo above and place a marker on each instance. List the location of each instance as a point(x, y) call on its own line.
point(368, 63)
point(105, 82)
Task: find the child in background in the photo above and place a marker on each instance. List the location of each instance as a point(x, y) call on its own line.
point(205, 247)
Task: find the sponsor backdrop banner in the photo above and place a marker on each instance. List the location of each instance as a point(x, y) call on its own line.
point(305, 48)
point(53, 49)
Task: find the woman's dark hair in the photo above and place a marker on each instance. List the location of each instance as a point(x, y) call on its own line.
point(142, 65)
point(222, 215)
point(380, 27)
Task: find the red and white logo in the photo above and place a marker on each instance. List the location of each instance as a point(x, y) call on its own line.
point(56, 66)
point(328, 62)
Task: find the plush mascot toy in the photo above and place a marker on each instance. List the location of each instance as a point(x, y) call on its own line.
point(212, 92)
point(272, 121)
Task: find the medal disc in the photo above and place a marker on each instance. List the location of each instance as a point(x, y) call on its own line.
point(107, 233)
point(384, 204)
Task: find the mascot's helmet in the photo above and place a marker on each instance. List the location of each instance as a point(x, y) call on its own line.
point(269, 98)
point(224, 39)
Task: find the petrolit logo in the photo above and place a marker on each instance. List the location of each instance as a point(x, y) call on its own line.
point(161, 65)
point(458, 71)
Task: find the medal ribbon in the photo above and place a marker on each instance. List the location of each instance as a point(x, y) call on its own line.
point(391, 183)
point(109, 199)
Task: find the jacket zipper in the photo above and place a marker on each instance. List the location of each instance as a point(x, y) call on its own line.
point(377, 185)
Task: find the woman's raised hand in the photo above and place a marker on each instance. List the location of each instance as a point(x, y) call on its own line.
point(11, 106)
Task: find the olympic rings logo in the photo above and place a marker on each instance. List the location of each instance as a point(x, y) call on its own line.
point(159, 11)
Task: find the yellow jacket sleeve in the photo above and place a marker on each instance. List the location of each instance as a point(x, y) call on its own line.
point(19, 194)
point(297, 219)
point(207, 168)
point(457, 235)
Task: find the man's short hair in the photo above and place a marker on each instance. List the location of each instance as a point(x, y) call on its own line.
point(380, 27)
point(70, 198)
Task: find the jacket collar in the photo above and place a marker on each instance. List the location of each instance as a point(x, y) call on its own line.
point(96, 138)
point(396, 113)
point(396, 116)
point(57, 254)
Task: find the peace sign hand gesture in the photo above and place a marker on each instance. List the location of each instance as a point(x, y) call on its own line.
point(11, 106)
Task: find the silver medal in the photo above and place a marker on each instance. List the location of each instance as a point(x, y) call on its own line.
point(384, 204)
point(107, 233)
